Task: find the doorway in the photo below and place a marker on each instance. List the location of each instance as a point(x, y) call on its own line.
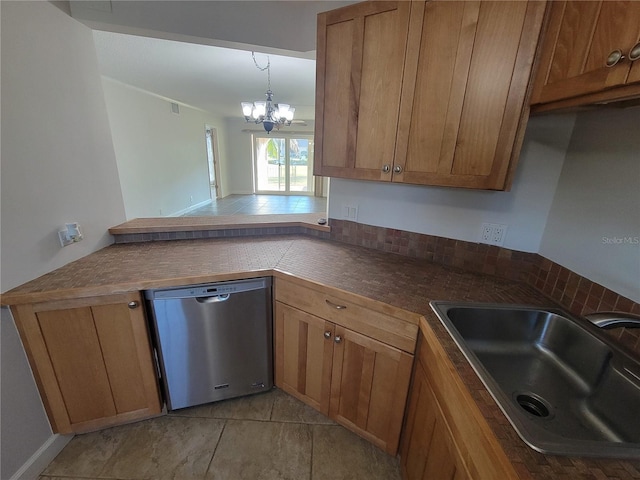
point(211, 137)
point(283, 165)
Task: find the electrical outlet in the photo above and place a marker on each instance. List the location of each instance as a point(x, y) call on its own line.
point(65, 239)
point(191, 200)
point(485, 233)
point(493, 234)
point(499, 232)
point(350, 212)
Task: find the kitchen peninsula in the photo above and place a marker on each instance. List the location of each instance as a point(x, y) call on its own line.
point(397, 286)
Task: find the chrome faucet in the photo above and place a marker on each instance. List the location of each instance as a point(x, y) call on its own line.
point(614, 319)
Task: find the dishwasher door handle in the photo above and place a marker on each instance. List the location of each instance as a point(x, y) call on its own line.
point(215, 299)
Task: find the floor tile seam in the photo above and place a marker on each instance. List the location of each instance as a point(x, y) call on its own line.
point(313, 435)
point(259, 420)
point(215, 449)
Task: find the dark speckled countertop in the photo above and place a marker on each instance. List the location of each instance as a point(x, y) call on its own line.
point(402, 282)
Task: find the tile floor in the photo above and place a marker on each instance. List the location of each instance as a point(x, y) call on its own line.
point(262, 205)
point(269, 436)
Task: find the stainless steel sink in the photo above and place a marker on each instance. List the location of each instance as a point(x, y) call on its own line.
point(563, 386)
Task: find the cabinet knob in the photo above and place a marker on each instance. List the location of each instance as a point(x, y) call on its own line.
point(397, 169)
point(338, 339)
point(327, 334)
point(386, 168)
point(634, 53)
point(133, 305)
point(614, 57)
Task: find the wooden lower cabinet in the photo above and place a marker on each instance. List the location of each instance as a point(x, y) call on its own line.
point(358, 381)
point(445, 435)
point(91, 359)
point(428, 450)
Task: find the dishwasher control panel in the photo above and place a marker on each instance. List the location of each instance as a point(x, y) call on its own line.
point(208, 290)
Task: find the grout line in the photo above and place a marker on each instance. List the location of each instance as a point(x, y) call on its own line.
point(215, 449)
point(313, 430)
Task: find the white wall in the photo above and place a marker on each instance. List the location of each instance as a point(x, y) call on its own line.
point(20, 401)
point(240, 167)
point(459, 213)
point(161, 156)
point(598, 201)
point(58, 165)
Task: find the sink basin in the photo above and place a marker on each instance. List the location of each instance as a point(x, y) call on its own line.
point(563, 386)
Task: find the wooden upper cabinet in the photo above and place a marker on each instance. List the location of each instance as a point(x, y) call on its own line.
point(463, 110)
point(431, 93)
point(92, 360)
point(580, 38)
point(360, 56)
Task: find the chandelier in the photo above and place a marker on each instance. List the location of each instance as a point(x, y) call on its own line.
point(266, 112)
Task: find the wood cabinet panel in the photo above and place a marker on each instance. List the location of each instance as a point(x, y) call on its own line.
point(303, 356)
point(359, 71)
point(472, 447)
point(92, 361)
point(356, 380)
point(381, 79)
point(368, 387)
point(437, 91)
point(114, 324)
point(387, 326)
point(429, 450)
point(75, 353)
point(337, 96)
point(580, 37)
point(462, 119)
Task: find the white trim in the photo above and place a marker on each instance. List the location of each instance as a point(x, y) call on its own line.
point(191, 208)
point(36, 464)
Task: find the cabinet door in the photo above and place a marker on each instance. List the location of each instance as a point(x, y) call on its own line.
point(358, 80)
point(463, 109)
point(428, 450)
point(580, 37)
point(369, 385)
point(303, 356)
point(92, 361)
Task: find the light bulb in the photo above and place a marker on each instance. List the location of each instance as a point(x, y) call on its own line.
point(290, 113)
point(260, 108)
point(247, 108)
point(283, 110)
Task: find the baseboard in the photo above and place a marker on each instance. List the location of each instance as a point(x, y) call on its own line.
point(49, 450)
point(190, 209)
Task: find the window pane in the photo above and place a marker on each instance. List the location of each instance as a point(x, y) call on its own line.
point(270, 161)
point(299, 171)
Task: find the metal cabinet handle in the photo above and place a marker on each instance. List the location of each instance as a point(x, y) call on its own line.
point(634, 53)
point(386, 168)
point(214, 299)
point(338, 339)
point(614, 58)
point(327, 334)
point(338, 307)
point(133, 305)
point(397, 169)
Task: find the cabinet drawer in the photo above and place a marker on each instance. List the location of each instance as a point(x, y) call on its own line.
point(342, 310)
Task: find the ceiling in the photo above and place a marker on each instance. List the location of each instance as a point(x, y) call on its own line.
point(199, 52)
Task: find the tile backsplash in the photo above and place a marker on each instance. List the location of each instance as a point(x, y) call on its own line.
point(575, 293)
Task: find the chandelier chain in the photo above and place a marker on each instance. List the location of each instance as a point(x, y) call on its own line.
point(262, 69)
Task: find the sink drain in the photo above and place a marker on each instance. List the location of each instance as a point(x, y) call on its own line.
point(533, 404)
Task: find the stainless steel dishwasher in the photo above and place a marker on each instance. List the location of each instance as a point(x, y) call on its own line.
point(213, 341)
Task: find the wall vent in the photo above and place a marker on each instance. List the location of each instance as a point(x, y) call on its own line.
point(175, 108)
